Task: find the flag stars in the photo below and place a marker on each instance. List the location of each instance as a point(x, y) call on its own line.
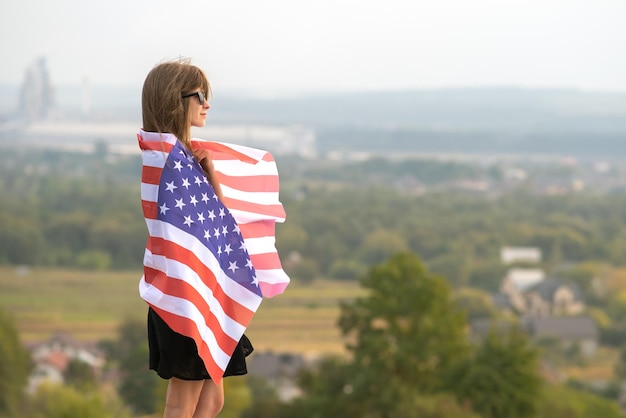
point(188, 220)
point(193, 200)
point(236, 229)
point(186, 183)
point(170, 187)
point(232, 266)
point(205, 197)
point(198, 181)
point(212, 215)
point(216, 232)
point(227, 249)
point(207, 234)
point(178, 166)
point(224, 230)
point(163, 208)
point(222, 213)
point(200, 218)
point(180, 204)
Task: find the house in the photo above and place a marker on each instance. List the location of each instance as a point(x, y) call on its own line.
point(516, 282)
point(581, 331)
point(280, 370)
point(52, 357)
point(528, 255)
point(529, 293)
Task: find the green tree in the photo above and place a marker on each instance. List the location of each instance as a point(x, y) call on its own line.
point(139, 387)
point(56, 401)
point(406, 335)
point(15, 366)
point(501, 378)
point(80, 375)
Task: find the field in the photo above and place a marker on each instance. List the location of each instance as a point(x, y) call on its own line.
point(90, 306)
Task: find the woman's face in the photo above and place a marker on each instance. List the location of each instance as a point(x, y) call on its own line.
point(198, 107)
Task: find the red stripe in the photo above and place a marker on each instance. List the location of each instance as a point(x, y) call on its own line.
point(222, 152)
point(275, 210)
point(266, 261)
point(272, 289)
point(267, 183)
point(181, 289)
point(155, 146)
point(150, 209)
point(151, 175)
point(173, 251)
point(187, 327)
point(258, 229)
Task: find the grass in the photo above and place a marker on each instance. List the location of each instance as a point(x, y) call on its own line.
point(91, 305)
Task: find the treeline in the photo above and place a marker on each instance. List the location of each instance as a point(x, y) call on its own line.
point(84, 211)
point(410, 356)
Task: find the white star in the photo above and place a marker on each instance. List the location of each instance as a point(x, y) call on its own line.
point(178, 166)
point(200, 217)
point(186, 183)
point(180, 203)
point(205, 180)
point(205, 198)
point(207, 234)
point(219, 250)
point(232, 266)
point(227, 249)
point(170, 186)
point(197, 181)
point(164, 209)
point(255, 281)
point(211, 215)
point(222, 213)
point(224, 230)
point(249, 264)
point(215, 197)
point(242, 246)
point(188, 220)
point(193, 200)
point(236, 229)
point(216, 232)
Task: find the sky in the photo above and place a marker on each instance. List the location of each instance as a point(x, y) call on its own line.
point(302, 46)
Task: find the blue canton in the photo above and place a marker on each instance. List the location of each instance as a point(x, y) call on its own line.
point(188, 201)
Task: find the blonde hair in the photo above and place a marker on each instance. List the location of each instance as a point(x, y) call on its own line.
point(162, 106)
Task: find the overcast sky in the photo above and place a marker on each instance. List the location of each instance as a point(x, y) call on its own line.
point(291, 46)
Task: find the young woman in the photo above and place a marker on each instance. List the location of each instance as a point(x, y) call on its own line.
point(174, 98)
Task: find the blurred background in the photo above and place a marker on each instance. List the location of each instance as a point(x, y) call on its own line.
point(454, 179)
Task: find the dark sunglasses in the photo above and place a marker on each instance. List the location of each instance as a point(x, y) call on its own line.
point(200, 94)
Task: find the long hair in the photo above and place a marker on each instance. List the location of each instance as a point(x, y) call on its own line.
point(162, 106)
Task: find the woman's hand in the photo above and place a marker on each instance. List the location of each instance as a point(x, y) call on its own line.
point(204, 158)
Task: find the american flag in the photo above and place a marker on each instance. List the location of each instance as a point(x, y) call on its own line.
point(208, 264)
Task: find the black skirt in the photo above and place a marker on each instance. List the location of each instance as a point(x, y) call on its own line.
point(175, 355)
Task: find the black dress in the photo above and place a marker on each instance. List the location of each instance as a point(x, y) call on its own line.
point(175, 355)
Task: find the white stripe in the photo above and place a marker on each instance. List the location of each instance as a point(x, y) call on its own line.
point(180, 271)
point(239, 168)
point(184, 308)
point(157, 136)
point(272, 276)
point(149, 192)
point(154, 158)
point(245, 217)
point(261, 245)
point(263, 198)
point(234, 290)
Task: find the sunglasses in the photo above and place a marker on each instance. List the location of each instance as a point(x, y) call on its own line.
point(200, 94)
